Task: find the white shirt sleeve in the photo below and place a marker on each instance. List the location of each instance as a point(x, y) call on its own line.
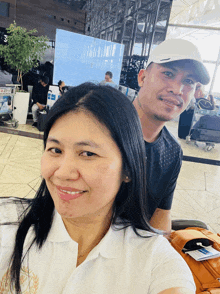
point(169, 269)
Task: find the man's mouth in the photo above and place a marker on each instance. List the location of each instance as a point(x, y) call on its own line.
point(171, 101)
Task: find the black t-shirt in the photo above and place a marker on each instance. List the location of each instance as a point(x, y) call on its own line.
point(164, 160)
point(39, 94)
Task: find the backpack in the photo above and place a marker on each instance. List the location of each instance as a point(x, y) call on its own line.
point(206, 273)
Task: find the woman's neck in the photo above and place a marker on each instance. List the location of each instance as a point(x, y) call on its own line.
point(87, 232)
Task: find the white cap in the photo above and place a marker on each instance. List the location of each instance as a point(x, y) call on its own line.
point(178, 49)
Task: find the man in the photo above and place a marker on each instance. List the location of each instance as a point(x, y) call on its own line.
point(166, 87)
point(39, 97)
point(199, 93)
point(186, 117)
point(108, 80)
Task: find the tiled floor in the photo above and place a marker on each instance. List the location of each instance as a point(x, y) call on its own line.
point(197, 195)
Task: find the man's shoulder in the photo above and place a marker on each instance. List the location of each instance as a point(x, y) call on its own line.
point(166, 139)
point(169, 137)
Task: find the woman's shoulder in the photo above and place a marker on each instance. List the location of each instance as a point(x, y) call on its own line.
point(143, 239)
point(12, 209)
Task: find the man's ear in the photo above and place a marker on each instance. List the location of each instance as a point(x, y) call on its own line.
point(141, 77)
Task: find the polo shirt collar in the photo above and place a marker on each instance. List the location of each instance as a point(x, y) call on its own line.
point(110, 246)
point(58, 232)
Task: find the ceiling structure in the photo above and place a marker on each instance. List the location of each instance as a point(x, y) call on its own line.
point(137, 24)
point(179, 5)
point(199, 22)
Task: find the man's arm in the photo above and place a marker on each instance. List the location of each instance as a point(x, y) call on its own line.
point(161, 220)
point(40, 106)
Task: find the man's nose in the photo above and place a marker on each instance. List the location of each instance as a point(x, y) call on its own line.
point(176, 87)
point(68, 169)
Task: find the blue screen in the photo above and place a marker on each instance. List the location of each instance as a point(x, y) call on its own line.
point(80, 58)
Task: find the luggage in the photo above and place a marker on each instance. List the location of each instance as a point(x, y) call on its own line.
point(203, 135)
point(203, 103)
point(206, 273)
point(209, 122)
point(185, 123)
point(41, 119)
point(207, 129)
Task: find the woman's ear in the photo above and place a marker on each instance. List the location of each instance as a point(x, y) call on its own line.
point(126, 179)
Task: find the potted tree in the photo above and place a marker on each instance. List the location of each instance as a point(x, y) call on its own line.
point(21, 53)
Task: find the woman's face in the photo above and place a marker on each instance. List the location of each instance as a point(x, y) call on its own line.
point(82, 166)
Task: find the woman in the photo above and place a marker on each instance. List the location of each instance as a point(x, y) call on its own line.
point(61, 85)
point(87, 231)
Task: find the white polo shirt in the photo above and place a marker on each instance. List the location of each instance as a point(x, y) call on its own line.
point(122, 263)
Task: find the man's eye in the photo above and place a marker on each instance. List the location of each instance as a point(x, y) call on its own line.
point(168, 74)
point(54, 150)
point(88, 154)
point(190, 82)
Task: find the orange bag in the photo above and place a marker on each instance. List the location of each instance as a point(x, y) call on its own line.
point(206, 273)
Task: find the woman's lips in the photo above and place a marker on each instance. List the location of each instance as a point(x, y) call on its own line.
point(67, 194)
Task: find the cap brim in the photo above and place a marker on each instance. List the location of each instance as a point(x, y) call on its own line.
point(201, 73)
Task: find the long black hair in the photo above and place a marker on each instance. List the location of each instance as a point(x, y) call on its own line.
point(116, 112)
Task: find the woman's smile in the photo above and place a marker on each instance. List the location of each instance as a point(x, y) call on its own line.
point(67, 193)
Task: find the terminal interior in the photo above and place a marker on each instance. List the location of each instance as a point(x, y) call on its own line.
point(197, 194)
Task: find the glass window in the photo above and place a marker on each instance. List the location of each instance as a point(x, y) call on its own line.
point(4, 9)
point(216, 86)
point(211, 68)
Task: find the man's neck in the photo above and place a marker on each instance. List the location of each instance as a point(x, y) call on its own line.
point(151, 128)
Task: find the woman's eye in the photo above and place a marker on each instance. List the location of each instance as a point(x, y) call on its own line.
point(88, 154)
point(168, 74)
point(54, 150)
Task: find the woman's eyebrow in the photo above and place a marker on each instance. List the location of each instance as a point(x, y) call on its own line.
point(87, 143)
point(81, 143)
point(51, 139)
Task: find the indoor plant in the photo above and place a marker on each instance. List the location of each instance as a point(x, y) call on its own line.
point(21, 53)
point(23, 49)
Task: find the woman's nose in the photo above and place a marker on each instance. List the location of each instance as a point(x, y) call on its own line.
point(68, 169)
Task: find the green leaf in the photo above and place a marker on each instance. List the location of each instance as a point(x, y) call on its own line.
point(23, 48)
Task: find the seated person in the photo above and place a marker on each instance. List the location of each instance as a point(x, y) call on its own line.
point(199, 93)
point(204, 103)
point(39, 97)
point(61, 86)
point(5, 76)
point(186, 117)
point(87, 231)
point(108, 80)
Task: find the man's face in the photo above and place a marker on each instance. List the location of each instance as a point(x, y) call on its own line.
point(165, 91)
point(107, 78)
